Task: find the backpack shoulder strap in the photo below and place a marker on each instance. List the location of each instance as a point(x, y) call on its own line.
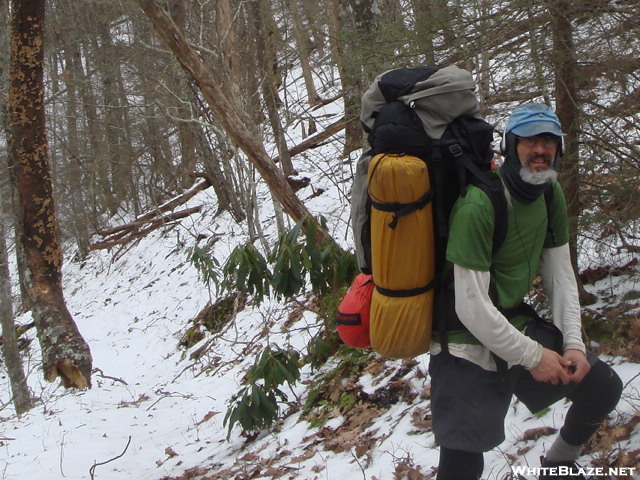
point(548, 200)
point(494, 188)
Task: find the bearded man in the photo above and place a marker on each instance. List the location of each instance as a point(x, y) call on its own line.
point(490, 357)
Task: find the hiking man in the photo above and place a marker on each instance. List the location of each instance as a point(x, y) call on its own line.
point(470, 391)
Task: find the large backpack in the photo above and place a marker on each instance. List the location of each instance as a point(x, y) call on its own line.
point(428, 143)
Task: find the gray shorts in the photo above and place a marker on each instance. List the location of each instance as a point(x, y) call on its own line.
point(469, 404)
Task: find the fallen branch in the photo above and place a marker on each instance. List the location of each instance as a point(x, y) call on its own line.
point(165, 207)
point(314, 140)
point(134, 232)
point(93, 467)
point(123, 234)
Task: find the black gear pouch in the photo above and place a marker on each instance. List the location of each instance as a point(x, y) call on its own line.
point(539, 329)
point(545, 333)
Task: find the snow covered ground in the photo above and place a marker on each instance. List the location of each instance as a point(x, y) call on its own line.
point(156, 411)
point(153, 412)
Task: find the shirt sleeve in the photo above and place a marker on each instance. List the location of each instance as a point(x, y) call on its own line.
point(487, 324)
point(561, 288)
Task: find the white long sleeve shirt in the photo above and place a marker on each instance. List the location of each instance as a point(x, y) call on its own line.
point(493, 330)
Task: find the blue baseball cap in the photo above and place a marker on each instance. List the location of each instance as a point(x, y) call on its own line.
point(533, 119)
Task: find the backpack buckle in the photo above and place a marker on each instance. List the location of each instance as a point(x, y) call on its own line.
point(456, 150)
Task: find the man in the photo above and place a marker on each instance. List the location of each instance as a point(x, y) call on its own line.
point(470, 392)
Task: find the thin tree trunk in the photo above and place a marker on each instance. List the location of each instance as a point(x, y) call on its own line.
point(304, 52)
point(74, 185)
point(567, 109)
point(20, 391)
point(65, 354)
point(234, 121)
point(120, 153)
point(22, 401)
point(227, 29)
point(265, 57)
point(351, 91)
point(95, 171)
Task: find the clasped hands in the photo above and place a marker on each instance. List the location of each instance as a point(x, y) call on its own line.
point(555, 368)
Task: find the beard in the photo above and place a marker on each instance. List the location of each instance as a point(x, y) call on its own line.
point(536, 176)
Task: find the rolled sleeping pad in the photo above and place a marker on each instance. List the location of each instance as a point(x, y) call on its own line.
point(402, 254)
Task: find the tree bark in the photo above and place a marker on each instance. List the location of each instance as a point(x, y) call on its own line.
point(65, 354)
point(234, 121)
point(265, 60)
point(352, 86)
point(568, 111)
point(20, 391)
point(304, 51)
point(227, 32)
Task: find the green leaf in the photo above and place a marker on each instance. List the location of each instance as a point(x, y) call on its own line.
point(255, 397)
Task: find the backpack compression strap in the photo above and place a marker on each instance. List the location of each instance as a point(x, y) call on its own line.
point(406, 293)
point(400, 210)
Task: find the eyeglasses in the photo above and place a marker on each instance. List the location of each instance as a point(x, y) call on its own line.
point(548, 141)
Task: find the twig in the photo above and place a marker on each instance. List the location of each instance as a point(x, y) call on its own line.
point(93, 467)
point(102, 375)
point(631, 380)
point(62, 455)
point(167, 395)
point(355, 457)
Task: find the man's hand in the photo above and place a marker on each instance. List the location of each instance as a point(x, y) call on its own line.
point(553, 368)
point(579, 365)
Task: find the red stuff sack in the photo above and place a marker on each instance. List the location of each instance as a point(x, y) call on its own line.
point(352, 320)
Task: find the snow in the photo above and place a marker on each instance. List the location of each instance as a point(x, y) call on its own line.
point(154, 412)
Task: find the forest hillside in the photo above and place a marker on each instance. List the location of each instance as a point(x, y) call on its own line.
point(188, 146)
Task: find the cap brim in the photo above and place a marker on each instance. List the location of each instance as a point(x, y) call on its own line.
point(532, 129)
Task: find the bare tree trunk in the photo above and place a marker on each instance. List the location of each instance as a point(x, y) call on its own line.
point(20, 391)
point(227, 31)
point(234, 121)
point(351, 91)
point(74, 187)
point(304, 51)
point(65, 354)
point(95, 171)
point(266, 57)
point(120, 153)
point(567, 109)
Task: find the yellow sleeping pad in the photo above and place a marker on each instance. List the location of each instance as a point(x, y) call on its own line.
point(402, 255)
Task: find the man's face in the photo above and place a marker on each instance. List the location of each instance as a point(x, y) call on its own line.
point(537, 153)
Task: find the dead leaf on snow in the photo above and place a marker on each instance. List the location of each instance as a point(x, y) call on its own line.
point(524, 450)
point(536, 433)
point(343, 438)
point(249, 457)
point(208, 416)
point(406, 469)
point(170, 452)
point(309, 453)
point(421, 418)
point(609, 435)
